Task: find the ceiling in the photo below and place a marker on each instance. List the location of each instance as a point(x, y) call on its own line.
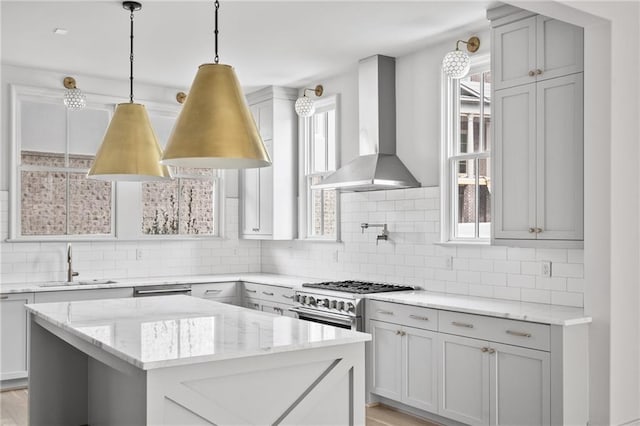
point(290, 43)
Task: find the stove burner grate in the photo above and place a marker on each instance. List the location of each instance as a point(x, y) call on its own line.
point(359, 287)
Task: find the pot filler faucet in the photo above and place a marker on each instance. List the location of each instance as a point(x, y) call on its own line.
point(384, 234)
point(70, 272)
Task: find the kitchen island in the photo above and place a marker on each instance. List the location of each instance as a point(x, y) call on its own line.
point(182, 360)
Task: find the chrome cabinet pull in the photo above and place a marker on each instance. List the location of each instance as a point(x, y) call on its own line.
point(213, 292)
point(483, 349)
point(518, 333)
point(532, 73)
point(266, 293)
point(491, 350)
point(4, 297)
point(255, 229)
point(532, 230)
point(538, 230)
point(249, 291)
point(287, 297)
point(402, 333)
point(462, 324)
point(385, 312)
point(538, 71)
point(398, 332)
point(418, 317)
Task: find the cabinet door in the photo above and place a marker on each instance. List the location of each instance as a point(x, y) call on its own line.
point(250, 186)
point(514, 135)
point(386, 359)
point(560, 48)
point(520, 386)
point(464, 379)
point(514, 48)
point(420, 366)
point(14, 326)
point(265, 197)
point(560, 145)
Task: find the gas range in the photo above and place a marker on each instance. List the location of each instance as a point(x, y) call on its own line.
point(338, 303)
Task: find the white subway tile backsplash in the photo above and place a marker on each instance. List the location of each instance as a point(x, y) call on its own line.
point(494, 278)
point(535, 295)
point(526, 281)
point(508, 266)
point(567, 299)
point(480, 265)
point(553, 283)
point(573, 270)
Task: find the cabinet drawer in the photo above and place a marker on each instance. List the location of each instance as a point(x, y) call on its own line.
point(72, 295)
point(519, 333)
point(269, 292)
point(251, 303)
point(413, 316)
point(214, 290)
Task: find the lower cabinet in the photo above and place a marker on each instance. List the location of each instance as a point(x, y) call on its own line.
point(268, 298)
point(223, 292)
point(490, 383)
point(13, 335)
point(404, 364)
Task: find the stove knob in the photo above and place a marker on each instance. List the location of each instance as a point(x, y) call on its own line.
point(324, 303)
point(312, 301)
point(351, 307)
point(306, 300)
point(333, 304)
point(340, 306)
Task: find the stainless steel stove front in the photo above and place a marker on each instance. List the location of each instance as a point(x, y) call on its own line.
point(339, 310)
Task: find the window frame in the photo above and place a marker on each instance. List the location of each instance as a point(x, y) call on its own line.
point(450, 107)
point(305, 157)
point(126, 199)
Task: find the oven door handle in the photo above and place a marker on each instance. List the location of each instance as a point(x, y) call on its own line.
point(343, 319)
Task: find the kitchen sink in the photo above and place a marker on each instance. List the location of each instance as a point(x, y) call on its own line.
point(79, 282)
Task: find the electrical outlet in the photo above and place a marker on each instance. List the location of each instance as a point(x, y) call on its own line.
point(448, 262)
point(138, 254)
point(545, 269)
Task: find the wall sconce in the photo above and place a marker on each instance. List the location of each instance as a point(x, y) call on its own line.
point(305, 106)
point(456, 63)
point(74, 99)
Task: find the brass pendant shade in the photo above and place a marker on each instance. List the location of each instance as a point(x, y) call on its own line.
point(130, 150)
point(215, 127)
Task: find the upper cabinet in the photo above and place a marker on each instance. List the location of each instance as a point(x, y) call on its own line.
point(535, 49)
point(538, 133)
point(268, 208)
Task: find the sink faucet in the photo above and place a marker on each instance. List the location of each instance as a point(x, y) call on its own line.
point(384, 234)
point(70, 272)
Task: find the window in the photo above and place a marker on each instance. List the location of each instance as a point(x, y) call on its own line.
point(53, 156)
point(51, 198)
point(319, 207)
point(466, 180)
point(183, 206)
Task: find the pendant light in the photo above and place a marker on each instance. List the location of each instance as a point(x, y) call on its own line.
point(130, 149)
point(215, 128)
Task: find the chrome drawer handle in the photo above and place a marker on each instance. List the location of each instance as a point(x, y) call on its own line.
point(213, 291)
point(287, 297)
point(538, 71)
point(255, 229)
point(532, 73)
point(266, 293)
point(250, 291)
point(484, 349)
point(4, 297)
point(462, 324)
point(417, 317)
point(385, 312)
point(518, 333)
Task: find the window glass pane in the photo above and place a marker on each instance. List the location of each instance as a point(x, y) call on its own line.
point(469, 114)
point(43, 127)
point(319, 143)
point(487, 111)
point(89, 205)
point(160, 208)
point(466, 200)
point(81, 161)
point(43, 204)
point(322, 210)
point(331, 140)
point(86, 130)
point(484, 198)
point(196, 206)
point(329, 200)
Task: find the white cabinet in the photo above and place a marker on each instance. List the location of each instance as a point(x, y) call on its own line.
point(13, 345)
point(268, 298)
point(404, 363)
point(268, 208)
point(538, 165)
point(535, 49)
point(224, 292)
point(486, 383)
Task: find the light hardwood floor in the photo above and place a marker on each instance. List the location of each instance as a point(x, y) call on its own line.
point(13, 412)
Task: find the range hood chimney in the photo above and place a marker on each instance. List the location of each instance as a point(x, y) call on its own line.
point(377, 167)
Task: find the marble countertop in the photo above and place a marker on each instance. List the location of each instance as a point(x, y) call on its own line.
point(535, 312)
point(260, 278)
point(524, 311)
point(165, 331)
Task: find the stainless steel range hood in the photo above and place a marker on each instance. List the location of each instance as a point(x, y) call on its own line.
point(377, 167)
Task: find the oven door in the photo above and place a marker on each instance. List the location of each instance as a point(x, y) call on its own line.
point(337, 320)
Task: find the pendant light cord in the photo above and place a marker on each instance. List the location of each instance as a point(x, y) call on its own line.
point(215, 32)
point(131, 60)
